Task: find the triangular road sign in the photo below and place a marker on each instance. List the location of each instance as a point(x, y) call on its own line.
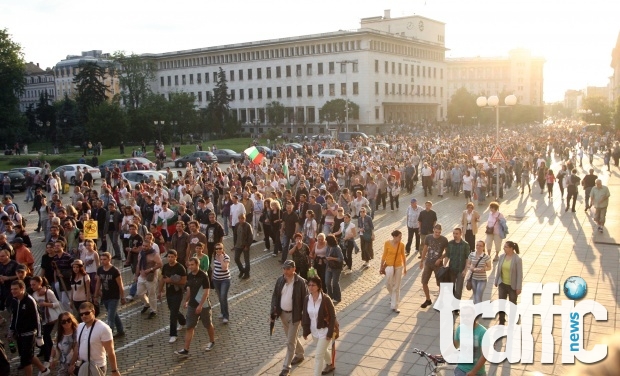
point(498, 155)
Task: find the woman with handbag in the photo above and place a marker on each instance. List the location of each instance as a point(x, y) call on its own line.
point(300, 253)
point(469, 223)
point(49, 308)
point(335, 262)
point(509, 276)
point(394, 266)
point(478, 264)
point(320, 250)
point(366, 229)
point(494, 229)
point(310, 230)
point(319, 319)
point(80, 285)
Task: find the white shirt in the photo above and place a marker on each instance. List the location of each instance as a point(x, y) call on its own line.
point(286, 297)
point(101, 333)
point(235, 211)
point(350, 230)
point(313, 312)
point(467, 181)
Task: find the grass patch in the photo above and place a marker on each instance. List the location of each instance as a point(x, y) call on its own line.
point(8, 162)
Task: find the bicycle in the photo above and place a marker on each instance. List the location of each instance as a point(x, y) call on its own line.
point(436, 364)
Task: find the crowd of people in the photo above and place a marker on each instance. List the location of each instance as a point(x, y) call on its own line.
point(316, 216)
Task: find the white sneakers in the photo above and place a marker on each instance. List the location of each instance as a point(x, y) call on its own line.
point(129, 298)
point(347, 270)
point(225, 321)
point(172, 339)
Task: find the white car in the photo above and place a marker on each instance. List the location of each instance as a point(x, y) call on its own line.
point(71, 168)
point(140, 176)
point(331, 153)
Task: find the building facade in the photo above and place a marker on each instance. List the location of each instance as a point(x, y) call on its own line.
point(614, 80)
point(520, 74)
point(392, 68)
point(66, 70)
point(37, 82)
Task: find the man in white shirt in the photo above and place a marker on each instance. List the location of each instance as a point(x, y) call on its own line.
point(236, 209)
point(413, 227)
point(427, 182)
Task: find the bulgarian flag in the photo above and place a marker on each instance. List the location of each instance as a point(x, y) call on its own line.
point(255, 156)
point(169, 224)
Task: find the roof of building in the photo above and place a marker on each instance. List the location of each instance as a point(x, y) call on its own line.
point(32, 68)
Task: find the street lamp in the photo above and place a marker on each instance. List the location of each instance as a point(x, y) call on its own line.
point(346, 83)
point(473, 119)
point(47, 124)
point(159, 124)
point(461, 117)
point(493, 102)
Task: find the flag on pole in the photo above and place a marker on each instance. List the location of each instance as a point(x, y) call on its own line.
point(255, 156)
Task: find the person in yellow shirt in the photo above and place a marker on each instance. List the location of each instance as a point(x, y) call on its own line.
point(394, 266)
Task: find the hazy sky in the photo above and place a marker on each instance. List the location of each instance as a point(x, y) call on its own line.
point(575, 37)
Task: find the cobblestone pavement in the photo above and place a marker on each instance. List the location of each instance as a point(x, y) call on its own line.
point(374, 341)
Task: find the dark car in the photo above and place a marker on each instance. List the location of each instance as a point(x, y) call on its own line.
point(18, 180)
point(227, 155)
point(142, 163)
point(267, 151)
point(110, 165)
point(297, 148)
point(204, 156)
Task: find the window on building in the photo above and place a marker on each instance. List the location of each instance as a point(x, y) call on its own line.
point(332, 90)
point(199, 78)
point(320, 68)
point(434, 72)
point(393, 68)
point(376, 66)
point(268, 93)
point(249, 73)
point(406, 92)
point(387, 88)
point(259, 73)
point(321, 90)
point(206, 78)
point(377, 113)
point(343, 89)
point(331, 67)
point(355, 67)
point(169, 81)
point(231, 76)
point(289, 91)
point(250, 93)
point(418, 71)
point(399, 89)
point(343, 67)
point(355, 88)
point(298, 70)
point(268, 72)
point(376, 88)
point(214, 77)
point(278, 92)
point(309, 69)
point(288, 71)
point(278, 72)
point(299, 91)
point(387, 67)
point(183, 79)
point(309, 89)
point(200, 96)
point(259, 93)
point(161, 81)
point(176, 80)
point(232, 95)
point(241, 94)
point(191, 79)
point(240, 74)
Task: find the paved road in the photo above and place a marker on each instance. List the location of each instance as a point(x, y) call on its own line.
point(554, 245)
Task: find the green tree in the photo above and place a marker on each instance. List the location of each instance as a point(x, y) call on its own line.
point(275, 113)
point(601, 111)
point(46, 114)
point(462, 103)
point(68, 126)
point(134, 74)
point(617, 115)
point(91, 91)
point(106, 123)
point(219, 107)
point(154, 108)
point(336, 110)
point(12, 70)
point(183, 113)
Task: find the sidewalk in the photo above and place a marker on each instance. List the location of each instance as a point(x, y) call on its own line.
point(554, 245)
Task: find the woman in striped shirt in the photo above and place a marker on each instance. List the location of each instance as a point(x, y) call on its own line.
point(221, 279)
point(478, 264)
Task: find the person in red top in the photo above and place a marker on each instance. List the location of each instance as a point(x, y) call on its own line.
point(395, 173)
point(23, 254)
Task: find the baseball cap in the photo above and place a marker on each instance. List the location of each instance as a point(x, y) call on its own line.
point(413, 200)
point(288, 264)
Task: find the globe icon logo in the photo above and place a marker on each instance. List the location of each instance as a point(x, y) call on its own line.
point(575, 288)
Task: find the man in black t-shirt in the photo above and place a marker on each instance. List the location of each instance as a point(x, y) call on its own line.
point(215, 234)
point(110, 289)
point(134, 247)
point(61, 263)
point(174, 276)
point(290, 220)
point(198, 306)
point(432, 259)
point(426, 220)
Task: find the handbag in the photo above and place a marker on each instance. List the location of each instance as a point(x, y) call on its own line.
point(328, 319)
point(469, 285)
point(51, 313)
point(490, 229)
point(443, 273)
point(334, 264)
point(384, 264)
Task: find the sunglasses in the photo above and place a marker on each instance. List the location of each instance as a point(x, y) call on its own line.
point(66, 321)
point(85, 313)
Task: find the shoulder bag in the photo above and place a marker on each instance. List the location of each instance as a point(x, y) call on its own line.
point(51, 313)
point(469, 285)
point(333, 264)
point(78, 364)
point(490, 229)
point(328, 319)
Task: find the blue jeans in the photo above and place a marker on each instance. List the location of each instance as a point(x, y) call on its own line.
point(332, 281)
point(222, 287)
point(478, 288)
point(114, 236)
point(29, 195)
point(285, 246)
point(372, 204)
point(225, 224)
point(114, 320)
point(133, 290)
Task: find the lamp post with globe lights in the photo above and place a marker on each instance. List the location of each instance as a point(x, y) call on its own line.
point(493, 102)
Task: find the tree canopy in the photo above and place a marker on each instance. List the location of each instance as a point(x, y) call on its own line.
point(12, 71)
point(134, 74)
point(335, 111)
point(91, 90)
point(275, 112)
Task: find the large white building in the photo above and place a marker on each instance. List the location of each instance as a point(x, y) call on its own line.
point(37, 82)
point(66, 70)
point(519, 73)
point(393, 68)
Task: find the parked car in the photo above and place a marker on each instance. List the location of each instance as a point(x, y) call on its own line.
point(31, 170)
point(110, 165)
point(228, 155)
point(18, 180)
point(71, 168)
point(140, 176)
point(205, 156)
point(331, 153)
point(142, 163)
point(297, 148)
point(269, 153)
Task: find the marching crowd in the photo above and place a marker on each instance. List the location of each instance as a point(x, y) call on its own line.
point(315, 215)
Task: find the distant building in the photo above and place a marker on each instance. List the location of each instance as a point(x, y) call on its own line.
point(597, 92)
point(66, 70)
point(393, 68)
point(573, 100)
point(37, 82)
point(519, 73)
point(614, 80)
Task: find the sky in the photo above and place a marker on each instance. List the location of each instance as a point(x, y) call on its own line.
point(575, 37)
